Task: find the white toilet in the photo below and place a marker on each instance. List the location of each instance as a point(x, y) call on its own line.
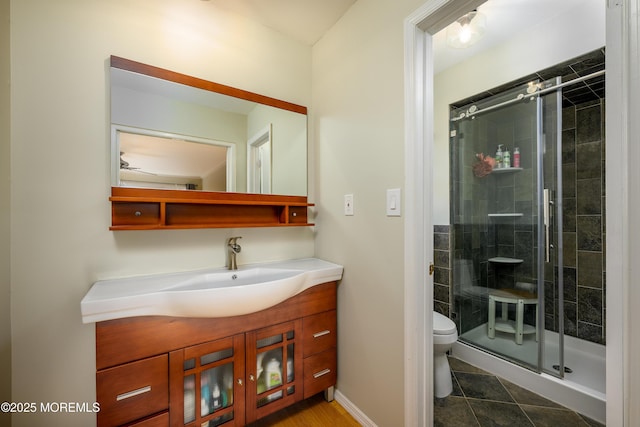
point(444, 335)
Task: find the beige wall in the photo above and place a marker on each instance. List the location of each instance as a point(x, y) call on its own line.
point(60, 242)
point(5, 195)
point(358, 122)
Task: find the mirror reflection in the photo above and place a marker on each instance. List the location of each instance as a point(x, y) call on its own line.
point(174, 136)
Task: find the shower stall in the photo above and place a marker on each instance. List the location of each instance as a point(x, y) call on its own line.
point(527, 222)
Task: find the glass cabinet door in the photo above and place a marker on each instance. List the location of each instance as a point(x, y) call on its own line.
point(209, 379)
point(274, 368)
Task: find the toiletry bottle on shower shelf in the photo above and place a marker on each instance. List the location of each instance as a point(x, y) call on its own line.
point(516, 157)
point(499, 156)
point(506, 158)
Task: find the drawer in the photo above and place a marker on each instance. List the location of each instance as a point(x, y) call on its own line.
point(160, 420)
point(319, 372)
point(319, 332)
point(135, 213)
point(132, 391)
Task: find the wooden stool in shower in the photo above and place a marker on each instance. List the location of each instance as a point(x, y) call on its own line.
point(511, 296)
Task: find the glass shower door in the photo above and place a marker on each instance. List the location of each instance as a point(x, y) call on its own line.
point(500, 273)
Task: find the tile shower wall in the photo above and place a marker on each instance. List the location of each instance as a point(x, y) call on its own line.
point(584, 272)
point(442, 273)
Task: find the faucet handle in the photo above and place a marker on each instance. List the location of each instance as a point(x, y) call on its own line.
point(232, 240)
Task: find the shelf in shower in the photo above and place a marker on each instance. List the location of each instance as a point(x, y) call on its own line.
point(505, 260)
point(506, 170)
point(505, 215)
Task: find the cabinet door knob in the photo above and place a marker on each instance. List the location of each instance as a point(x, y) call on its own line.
point(239, 381)
point(252, 378)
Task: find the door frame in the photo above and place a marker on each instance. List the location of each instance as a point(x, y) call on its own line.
point(623, 67)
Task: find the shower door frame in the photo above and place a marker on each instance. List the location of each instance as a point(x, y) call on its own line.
point(550, 202)
point(548, 208)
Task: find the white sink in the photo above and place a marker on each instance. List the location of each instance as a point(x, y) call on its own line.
point(206, 293)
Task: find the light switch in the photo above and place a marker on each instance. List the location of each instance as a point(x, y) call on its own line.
point(348, 204)
point(394, 202)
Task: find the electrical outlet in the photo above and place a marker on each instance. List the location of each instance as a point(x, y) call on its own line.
point(348, 204)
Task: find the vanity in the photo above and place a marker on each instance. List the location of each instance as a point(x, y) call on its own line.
point(168, 370)
point(212, 347)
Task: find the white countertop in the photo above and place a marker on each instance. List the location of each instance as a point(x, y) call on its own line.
point(216, 292)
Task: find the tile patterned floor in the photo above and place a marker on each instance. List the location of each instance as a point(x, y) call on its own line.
point(481, 399)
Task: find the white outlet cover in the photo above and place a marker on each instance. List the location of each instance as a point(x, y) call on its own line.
point(348, 204)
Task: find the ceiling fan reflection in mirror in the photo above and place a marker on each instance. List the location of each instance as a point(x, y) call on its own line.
point(124, 165)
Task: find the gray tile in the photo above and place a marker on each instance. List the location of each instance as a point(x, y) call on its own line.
point(569, 180)
point(526, 397)
point(441, 275)
point(590, 422)
point(570, 254)
point(591, 332)
point(548, 417)
point(569, 217)
point(458, 365)
point(589, 160)
point(479, 386)
point(453, 412)
point(569, 284)
point(441, 293)
point(499, 414)
point(568, 118)
point(441, 241)
point(569, 146)
point(590, 305)
point(588, 124)
point(571, 319)
point(590, 269)
point(589, 233)
point(589, 198)
point(442, 308)
point(441, 228)
point(441, 258)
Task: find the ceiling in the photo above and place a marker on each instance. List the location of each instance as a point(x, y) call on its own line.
point(303, 20)
point(308, 20)
point(505, 18)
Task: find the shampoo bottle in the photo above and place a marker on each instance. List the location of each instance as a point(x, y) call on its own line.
point(499, 156)
point(506, 158)
point(516, 157)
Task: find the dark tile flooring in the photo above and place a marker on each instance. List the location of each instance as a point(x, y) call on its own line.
point(482, 399)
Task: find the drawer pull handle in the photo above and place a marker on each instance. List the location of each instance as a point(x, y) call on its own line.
point(321, 373)
point(133, 393)
point(321, 334)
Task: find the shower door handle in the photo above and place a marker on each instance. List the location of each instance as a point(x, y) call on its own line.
point(546, 212)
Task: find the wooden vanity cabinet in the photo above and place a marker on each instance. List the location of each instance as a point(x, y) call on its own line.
point(155, 371)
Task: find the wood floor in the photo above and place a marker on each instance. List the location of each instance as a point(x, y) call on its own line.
point(312, 412)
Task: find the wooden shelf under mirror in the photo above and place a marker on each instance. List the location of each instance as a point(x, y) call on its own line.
point(151, 209)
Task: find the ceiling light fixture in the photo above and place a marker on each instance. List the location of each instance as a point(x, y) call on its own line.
point(467, 30)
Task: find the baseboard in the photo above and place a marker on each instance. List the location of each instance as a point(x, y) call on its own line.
point(353, 410)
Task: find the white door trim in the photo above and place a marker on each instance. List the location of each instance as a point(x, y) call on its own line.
point(623, 67)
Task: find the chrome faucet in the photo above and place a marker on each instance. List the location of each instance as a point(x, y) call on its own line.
point(233, 248)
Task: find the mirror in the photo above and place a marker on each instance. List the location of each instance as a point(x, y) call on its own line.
point(173, 131)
